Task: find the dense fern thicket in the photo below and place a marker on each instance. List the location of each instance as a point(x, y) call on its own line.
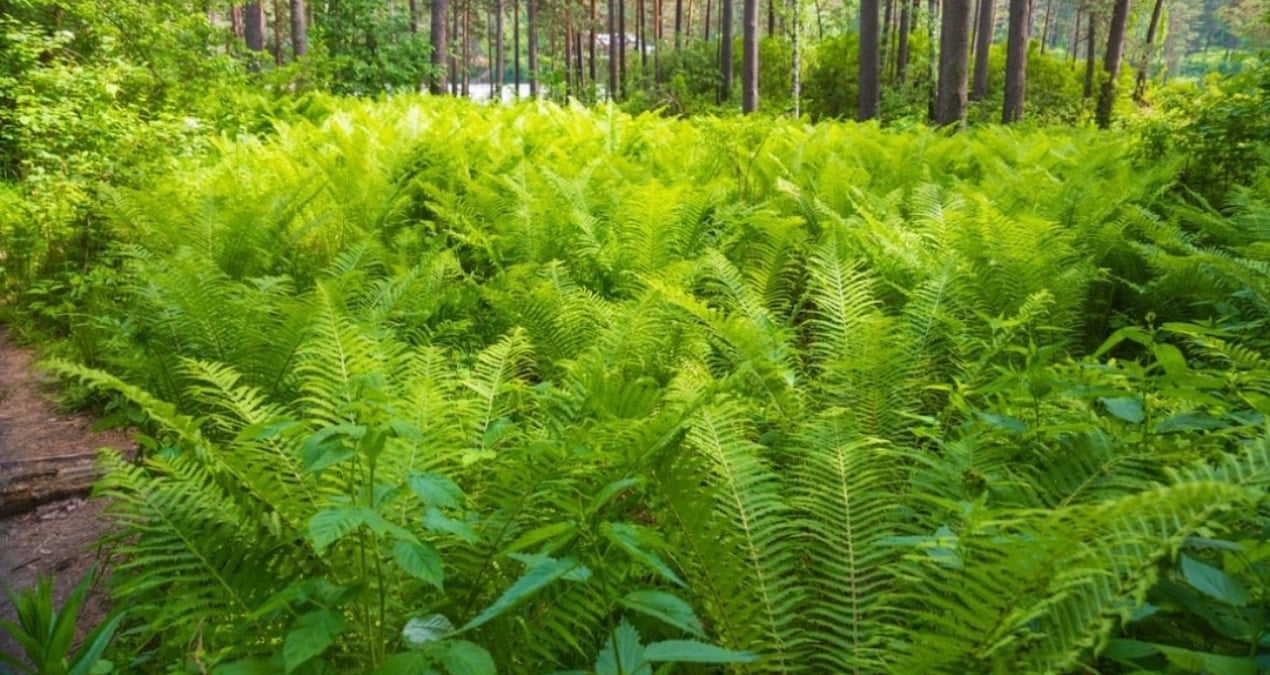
point(428, 385)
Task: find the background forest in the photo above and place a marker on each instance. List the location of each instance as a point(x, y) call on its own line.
point(787, 337)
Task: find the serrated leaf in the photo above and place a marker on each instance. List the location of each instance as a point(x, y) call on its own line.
point(666, 608)
point(608, 492)
point(627, 538)
point(534, 580)
point(330, 525)
point(435, 490)
point(465, 658)
point(541, 534)
point(420, 561)
point(1213, 582)
point(622, 653)
point(420, 631)
point(436, 521)
point(1190, 421)
point(692, 651)
point(1010, 424)
point(312, 634)
point(1127, 408)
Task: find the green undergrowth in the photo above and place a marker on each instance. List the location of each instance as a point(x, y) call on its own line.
point(430, 386)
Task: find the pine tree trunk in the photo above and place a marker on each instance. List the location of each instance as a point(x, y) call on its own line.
point(413, 8)
point(725, 49)
point(679, 23)
point(954, 56)
point(749, 57)
point(901, 51)
point(1016, 62)
point(516, 46)
point(500, 57)
point(1074, 41)
point(278, 34)
point(299, 30)
point(531, 46)
point(1111, 63)
point(612, 92)
point(796, 74)
point(1045, 27)
point(621, 50)
point(254, 26)
point(983, 45)
point(870, 75)
point(1091, 39)
point(438, 26)
point(1144, 69)
point(466, 66)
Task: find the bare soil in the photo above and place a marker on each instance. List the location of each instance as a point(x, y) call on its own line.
point(47, 522)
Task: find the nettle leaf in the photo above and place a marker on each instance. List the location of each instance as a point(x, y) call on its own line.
point(435, 490)
point(327, 448)
point(312, 634)
point(534, 580)
point(1127, 408)
point(436, 521)
point(691, 651)
point(420, 631)
point(1005, 422)
point(330, 525)
point(629, 539)
point(622, 653)
point(609, 492)
point(666, 608)
point(420, 561)
point(1213, 582)
point(461, 657)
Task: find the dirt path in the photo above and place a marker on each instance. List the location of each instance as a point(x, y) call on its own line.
point(45, 465)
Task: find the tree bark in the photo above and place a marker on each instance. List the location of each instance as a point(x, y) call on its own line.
point(1045, 26)
point(1111, 63)
point(1016, 62)
point(436, 83)
point(516, 47)
point(901, 50)
point(500, 55)
point(531, 45)
point(254, 26)
point(954, 55)
point(796, 74)
point(749, 57)
point(679, 23)
point(870, 85)
point(983, 45)
point(612, 50)
point(1144, 69)
point(725, 49)
point(413, 8)
point(591, 46)
point(1074, 40)
point(1091, 39)
point(299, 30)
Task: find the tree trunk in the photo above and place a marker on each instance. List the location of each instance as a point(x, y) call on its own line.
point(1016, 62)
point(413, 8)
point(641, 36)
point(254, 26)
point(796, 74)
point(436, 85)
point(954, 55)
point(454, 57)
point(1111, 63)
point(516, 46)
point(884, 55)
point(612, 92)
point(466, 66)
point(901, 51)
point(870, 90)
point(236, 21)
point(621, 49)
point(725, 49)
point(771, 18)
point(1144, 69)
point(1045, 26)
point(706, 27)
point(1091, 38)
point(279, 36)
point(749, 57)
point(1074, 40)
point(983, 45)
point(531, 45)
point(500, 56)
point(299, 30)
point(679, 23)
point(591, 47)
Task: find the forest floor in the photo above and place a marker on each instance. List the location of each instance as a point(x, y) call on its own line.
point(47, 522)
